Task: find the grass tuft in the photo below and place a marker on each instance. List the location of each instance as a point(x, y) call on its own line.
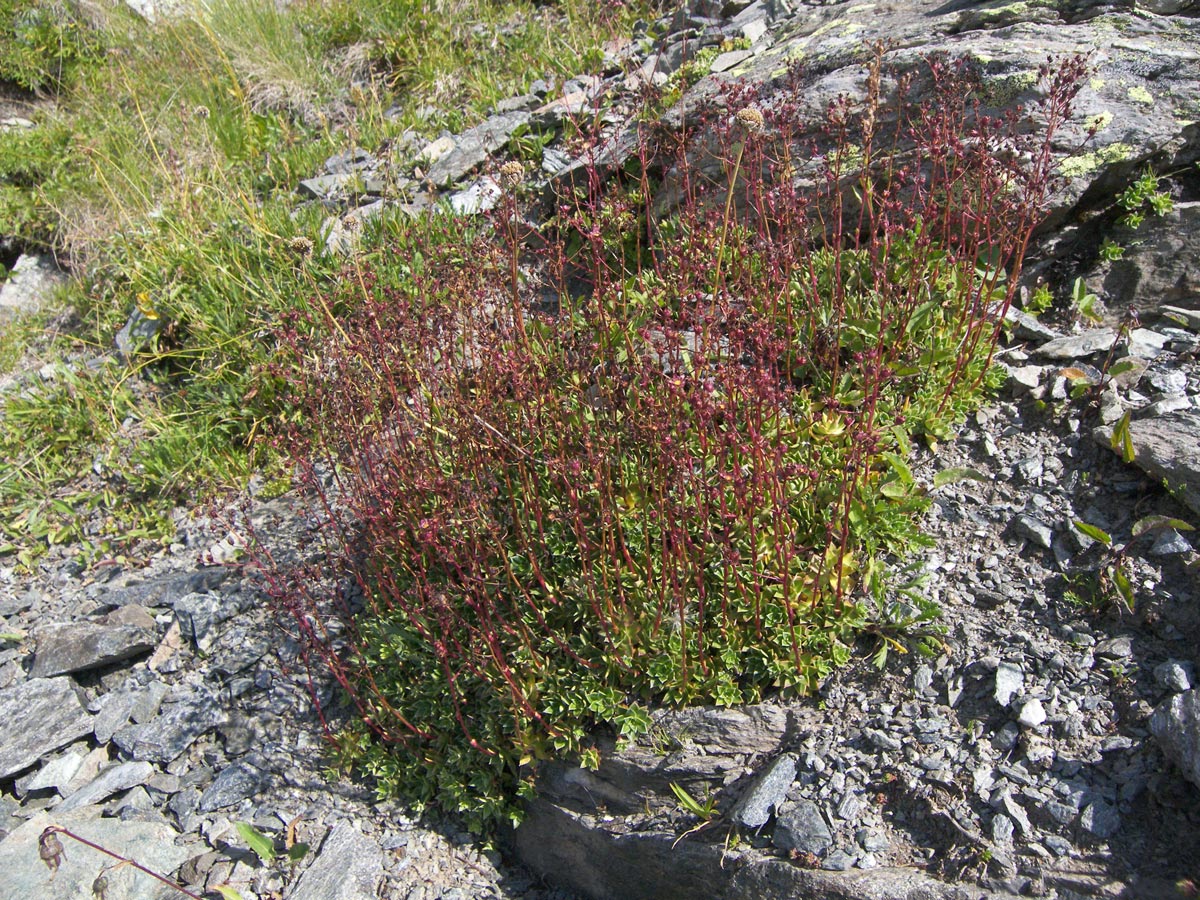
point(165, 176)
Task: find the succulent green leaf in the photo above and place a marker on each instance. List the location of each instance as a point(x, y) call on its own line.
point(1096, 534)
point(1121, 579)
point(1121, 440)
point(263, 846)
point(1159, 523)
point(950, 476)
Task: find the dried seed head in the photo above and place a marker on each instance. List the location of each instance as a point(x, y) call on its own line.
point(200, 112)
point(50, 849)
point(511, 174)
point(750, 119)
point(301, 246)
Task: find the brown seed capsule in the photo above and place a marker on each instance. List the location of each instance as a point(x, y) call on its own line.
point(50, 849)
point(511, 174)
point(750, 119)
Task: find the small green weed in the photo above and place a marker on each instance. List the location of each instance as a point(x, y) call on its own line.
point(1144, 195)
point(705, 810)
point(1085, 303)
point(1109, 583)
point(1040, 300)
point(264, 846)
point(1111, 251)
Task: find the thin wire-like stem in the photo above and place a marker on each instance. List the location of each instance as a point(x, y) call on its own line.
point(56, 829)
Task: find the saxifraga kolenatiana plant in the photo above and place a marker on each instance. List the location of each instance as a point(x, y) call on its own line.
point(563, 474)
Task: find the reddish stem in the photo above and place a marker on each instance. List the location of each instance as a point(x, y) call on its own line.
point(55, 829)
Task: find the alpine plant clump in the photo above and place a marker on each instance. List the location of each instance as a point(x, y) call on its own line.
point(563, 474)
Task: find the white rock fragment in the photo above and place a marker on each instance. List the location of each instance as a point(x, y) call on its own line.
point(1032, 714)
point(1009, 681)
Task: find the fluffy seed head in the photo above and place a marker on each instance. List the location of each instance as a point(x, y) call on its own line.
point(300, 245)
point(749, 119)
point(511, 174)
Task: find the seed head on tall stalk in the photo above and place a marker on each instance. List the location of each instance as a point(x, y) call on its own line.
point(511, 175)
point(750, 121)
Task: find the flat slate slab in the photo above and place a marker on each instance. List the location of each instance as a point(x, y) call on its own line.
point(1176, 725)
point(37, 717)
point(348, 868)
point(475, 145)
point(79, 646)
point(112, 780)
point(172, 731)
point(152, 844)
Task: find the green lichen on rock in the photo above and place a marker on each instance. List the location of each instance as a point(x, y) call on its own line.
point(1141, 95)
point(1098, 122)
point(1086, 163)
point(793, 55)
point(1004, 89)
point(831, 28)
point(1000, 14)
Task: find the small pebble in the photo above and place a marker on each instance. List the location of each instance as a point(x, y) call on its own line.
point(1032, 714)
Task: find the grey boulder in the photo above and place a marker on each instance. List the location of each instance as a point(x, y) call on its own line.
point(1167, 448)
point(31, 281)
point(801, 828)
point(769, 790)
point(1176, 725)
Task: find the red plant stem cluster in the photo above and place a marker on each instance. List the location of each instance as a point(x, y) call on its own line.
point(646, 453)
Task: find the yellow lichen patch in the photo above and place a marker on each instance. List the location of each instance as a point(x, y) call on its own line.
point(1086, 163)
point(836, 24)
point(1141, 95)
point(1002, 90)
point(1012, 9)
point(1096, 83)
point(1099, 121)
point(794, 55)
